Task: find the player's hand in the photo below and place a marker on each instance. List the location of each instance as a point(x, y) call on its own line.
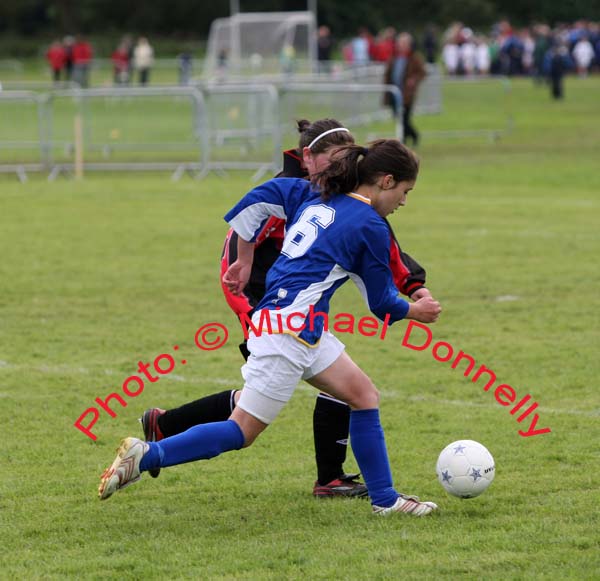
point(420, 293)
point(236, 277)
point(425, 310)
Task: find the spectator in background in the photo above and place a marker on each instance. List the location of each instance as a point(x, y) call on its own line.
point(56, 56)
point(528, 51)
point(324, 47)
point(120, 60)
point(68, 42)
point(542, 42)
point(82, 60)
point(556, 64)
point(361, 47)
point(467, 52)
point(482, 56)
point(143, 59)
point(576, 32)
point(405, 70)
point(495, 61)
point(287, 58)
point(583, 54)
point(384, 46)
point(451, 57)
point(185, 68)
point(512, 54)
point(430, 44)
point(595, 41)
point(127, 43)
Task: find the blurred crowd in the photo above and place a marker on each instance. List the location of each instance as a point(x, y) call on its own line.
point(505, 50)
point(537, 50)
point(522, 51)
point(70, 59)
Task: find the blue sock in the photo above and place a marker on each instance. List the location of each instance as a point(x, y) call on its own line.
point(198, 443)
point(368, 445)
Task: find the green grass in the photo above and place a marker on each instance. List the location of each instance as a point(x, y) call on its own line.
point(100, 274)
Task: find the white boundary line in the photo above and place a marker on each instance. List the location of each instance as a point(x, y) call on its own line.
point(236, 383)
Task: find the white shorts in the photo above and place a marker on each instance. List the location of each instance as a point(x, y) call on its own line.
point(276, 365)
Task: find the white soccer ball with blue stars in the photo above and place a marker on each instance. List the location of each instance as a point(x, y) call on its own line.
point(465, 468)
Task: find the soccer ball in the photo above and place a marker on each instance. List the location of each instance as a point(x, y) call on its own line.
point(465, 468)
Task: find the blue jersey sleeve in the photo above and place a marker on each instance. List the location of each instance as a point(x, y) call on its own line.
point(279, 197)
point(373, 276)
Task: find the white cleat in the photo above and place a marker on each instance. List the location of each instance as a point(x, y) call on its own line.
point(408, 504)
point(125, 470)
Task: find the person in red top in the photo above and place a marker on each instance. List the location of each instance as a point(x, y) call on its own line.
point(56, 55)
point(385, 45)
point(82, 59)
point(331, 417)
point(121, 64)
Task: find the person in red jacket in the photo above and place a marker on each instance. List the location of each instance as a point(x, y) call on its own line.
point(56, 55)
point(384, 45)
point(121, 64)
point(331, 417)
point(82, 60)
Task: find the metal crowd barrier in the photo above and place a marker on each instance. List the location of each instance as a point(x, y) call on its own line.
point(229, 126)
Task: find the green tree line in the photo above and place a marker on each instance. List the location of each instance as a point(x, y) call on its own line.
point(192, 18)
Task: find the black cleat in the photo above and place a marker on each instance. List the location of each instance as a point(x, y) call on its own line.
point(347, 485)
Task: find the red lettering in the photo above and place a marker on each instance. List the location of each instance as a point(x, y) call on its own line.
point(368, 323)
point(409, 329)
point(158, 368)
point(87, 429)
point(484, 369)
point(104, 404)
point(525, 414)
point(247, 322)
point(463, 355)
point(138, 381)
point(505, 390)
point(311, 318)
point(384, 328)
point(520, 405)
point(143, 368)
point(289, 324)
point(344, 323)
point(434, 351)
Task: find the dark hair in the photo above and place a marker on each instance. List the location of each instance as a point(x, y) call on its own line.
point(309, 131)
point(354, 165)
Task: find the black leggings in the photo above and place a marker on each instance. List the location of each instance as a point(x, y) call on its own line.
point(409, 130)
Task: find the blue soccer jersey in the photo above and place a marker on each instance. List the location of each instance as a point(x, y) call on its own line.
point(326, 243)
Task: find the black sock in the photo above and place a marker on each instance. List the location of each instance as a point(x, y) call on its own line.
point(212, 408)
point(331, 423)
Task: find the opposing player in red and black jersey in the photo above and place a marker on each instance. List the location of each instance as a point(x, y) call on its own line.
point(331, 417)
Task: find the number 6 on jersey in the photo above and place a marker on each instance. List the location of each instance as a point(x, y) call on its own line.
point(301, 236)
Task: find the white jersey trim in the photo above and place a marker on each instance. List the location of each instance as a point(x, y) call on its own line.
point(249, 220)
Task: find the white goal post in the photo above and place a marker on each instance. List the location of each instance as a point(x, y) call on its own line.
point(261, 42)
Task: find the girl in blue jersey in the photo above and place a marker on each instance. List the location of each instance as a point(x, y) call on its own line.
point(335, 232)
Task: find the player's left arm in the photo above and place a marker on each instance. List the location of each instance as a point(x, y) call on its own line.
point(373, 276)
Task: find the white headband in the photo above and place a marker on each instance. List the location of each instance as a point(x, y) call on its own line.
point(334, 130)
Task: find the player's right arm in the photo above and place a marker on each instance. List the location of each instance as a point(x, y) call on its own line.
point(238, 274)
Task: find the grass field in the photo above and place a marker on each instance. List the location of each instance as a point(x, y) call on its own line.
point(100, 274)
